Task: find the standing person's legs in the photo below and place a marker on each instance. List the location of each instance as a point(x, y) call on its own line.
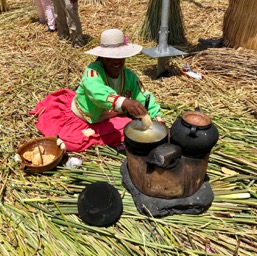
point(73, 16)
point(61, 19)
point(40, 11)
point(74, 23)
point(49, 12)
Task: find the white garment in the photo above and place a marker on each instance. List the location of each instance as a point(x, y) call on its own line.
point(45, 12)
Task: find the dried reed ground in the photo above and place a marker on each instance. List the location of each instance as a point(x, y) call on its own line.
point(34, 63)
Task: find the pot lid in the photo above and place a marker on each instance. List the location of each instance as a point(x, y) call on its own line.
point(156, 132)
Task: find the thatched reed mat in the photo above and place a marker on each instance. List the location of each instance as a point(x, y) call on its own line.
point(38, 214)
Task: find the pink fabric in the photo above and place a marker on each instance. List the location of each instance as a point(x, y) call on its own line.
point(56, 118)
point(45, 9)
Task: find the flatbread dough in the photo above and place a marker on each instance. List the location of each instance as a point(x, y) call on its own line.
point(35, 158)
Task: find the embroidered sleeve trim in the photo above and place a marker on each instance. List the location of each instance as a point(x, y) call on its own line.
point(92, 73)
point(114, 102)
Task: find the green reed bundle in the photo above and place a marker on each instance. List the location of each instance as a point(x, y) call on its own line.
point(152, 22)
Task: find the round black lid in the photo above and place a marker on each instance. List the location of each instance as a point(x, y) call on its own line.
point(100, 204)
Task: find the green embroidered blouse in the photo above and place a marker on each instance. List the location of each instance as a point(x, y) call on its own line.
point(95, 95)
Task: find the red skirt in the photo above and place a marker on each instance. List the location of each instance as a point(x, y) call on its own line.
point(55, 118)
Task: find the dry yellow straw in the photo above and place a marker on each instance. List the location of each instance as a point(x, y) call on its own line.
point(240, 24)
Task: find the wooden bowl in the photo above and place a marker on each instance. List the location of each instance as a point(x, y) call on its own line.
point(50, 146)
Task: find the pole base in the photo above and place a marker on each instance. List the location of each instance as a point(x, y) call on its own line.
point(169, 52)
point(162, 57)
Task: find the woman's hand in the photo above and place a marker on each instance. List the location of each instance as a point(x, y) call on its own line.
point(134, 108)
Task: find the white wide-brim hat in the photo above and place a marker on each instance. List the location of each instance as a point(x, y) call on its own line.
point(115, 45)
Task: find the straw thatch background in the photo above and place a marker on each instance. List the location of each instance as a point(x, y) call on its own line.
point(240, 22)
point(38, 214)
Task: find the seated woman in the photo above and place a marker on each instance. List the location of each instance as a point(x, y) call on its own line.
point(108, 88)
point(108, 96)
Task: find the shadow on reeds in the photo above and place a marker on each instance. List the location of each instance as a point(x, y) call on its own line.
point(172, 69)
point(87, 38)
point(34, 20)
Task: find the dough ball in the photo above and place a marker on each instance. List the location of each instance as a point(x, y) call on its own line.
point(147, 122)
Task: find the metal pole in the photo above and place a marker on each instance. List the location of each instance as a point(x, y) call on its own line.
point(163, 38)
point(164, 28)
point(163, 51)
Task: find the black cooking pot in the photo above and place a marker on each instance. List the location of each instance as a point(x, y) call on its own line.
point(195, 133)
point(140, 142)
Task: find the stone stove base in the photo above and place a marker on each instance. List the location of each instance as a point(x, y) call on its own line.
point(158, 207)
